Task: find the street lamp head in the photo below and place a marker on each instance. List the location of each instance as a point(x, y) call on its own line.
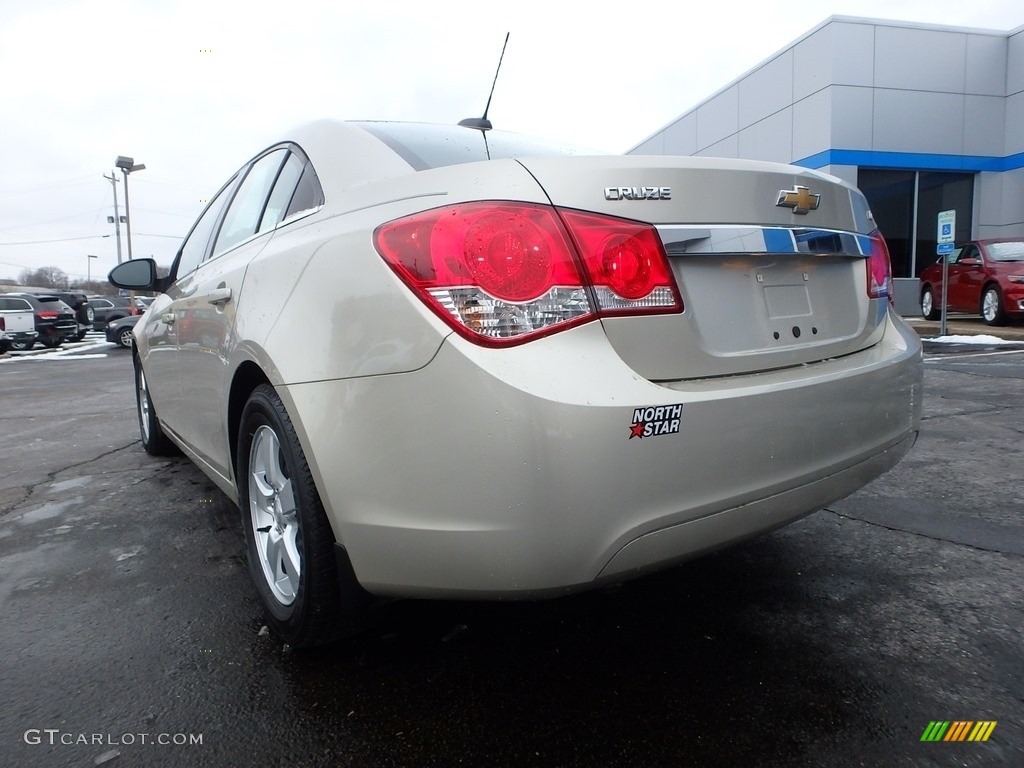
point(127, 164)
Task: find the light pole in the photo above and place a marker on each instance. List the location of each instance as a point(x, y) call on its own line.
point(127, 165)
point(88, 267)
point(116, 218)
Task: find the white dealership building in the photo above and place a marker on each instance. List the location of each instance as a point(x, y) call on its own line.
point(922, 118)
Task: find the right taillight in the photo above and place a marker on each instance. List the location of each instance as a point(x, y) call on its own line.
point(46, 314)
point(879, 269)
point(626, 263)
point(502, 273)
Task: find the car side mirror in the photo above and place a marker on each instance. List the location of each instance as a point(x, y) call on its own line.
point(970, 262)
point(136, 275)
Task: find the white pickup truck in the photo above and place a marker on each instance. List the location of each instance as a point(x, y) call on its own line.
point(18, 320)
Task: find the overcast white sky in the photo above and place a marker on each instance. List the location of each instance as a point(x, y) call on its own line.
point(193, 88)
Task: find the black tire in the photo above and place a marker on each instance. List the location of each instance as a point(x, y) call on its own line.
point(125, 338)
point(81, 335)
point(991, 309)
point(929, 309)
point(288, 532)
point(23, 345)
point(52, 342)
point(154, 440)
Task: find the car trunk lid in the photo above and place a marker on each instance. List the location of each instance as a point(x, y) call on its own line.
point(771, 260)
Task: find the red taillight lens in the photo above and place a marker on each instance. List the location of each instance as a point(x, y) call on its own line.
point(46, 314)
point(512, 252)
point(626, 263)
point(879, 270)
point(502, 273)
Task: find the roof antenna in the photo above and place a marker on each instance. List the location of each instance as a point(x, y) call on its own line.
point(482, 123)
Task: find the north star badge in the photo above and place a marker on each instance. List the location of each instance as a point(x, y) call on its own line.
point(800, 199)
point(655, 420)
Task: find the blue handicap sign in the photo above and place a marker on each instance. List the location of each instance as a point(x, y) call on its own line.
point(947, 229)
point(943, 248)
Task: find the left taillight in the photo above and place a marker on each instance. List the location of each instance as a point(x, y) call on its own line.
point(879, 269)
point(503, 273)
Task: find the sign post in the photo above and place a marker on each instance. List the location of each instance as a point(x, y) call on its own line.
point(945, 239)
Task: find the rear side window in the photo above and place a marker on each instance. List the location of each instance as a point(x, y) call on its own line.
point(246, 209)
point(308, 194)
point(282, 193)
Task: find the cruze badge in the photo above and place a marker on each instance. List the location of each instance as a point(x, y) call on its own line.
point(800, 199)
point(638, 193)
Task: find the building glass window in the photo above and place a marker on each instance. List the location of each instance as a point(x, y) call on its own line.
point(891, 195)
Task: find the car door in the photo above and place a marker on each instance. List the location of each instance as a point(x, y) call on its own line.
point(206, 311)
point(158, 336)
point(965, 280)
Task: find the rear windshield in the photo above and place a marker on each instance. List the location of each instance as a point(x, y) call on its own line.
point(426, 146)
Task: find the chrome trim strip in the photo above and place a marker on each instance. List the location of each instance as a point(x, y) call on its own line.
point(687, 240)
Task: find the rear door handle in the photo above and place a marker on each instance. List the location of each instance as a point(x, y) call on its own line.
point(220, 296)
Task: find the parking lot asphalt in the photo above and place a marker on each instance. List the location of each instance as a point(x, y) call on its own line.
point(129, 619)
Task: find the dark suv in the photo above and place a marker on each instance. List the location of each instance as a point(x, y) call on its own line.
point(107, 308)
point(55, 320)
point(79, 303)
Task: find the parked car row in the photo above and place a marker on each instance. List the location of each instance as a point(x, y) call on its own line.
point(43, 318)
point(54, 317)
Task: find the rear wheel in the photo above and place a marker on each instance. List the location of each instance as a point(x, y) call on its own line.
point(52, 342)
point(154, 440)
point(23, 345)
point(289, 541)
point(928, 309)
point(81, 335)
point(992, 306)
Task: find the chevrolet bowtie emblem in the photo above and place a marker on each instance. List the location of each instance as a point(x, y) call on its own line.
point(800, 199)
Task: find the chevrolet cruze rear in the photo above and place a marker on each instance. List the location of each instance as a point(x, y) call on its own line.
point(430, 361)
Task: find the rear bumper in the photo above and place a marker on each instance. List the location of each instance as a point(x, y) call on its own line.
point(513, 473)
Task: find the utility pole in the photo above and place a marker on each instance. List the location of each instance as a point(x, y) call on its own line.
point(117, 218)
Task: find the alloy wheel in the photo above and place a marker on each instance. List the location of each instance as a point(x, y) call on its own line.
point(275, 520)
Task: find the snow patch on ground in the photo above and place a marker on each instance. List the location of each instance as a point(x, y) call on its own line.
point(987, 341)
point(72, 350)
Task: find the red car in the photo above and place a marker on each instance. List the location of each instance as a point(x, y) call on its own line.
point(985, 276)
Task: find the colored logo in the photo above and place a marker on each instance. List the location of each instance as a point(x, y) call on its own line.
point(800, 199)
point(958, 730)
point(655, 420)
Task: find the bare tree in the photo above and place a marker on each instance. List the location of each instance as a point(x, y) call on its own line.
point(45, 277)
